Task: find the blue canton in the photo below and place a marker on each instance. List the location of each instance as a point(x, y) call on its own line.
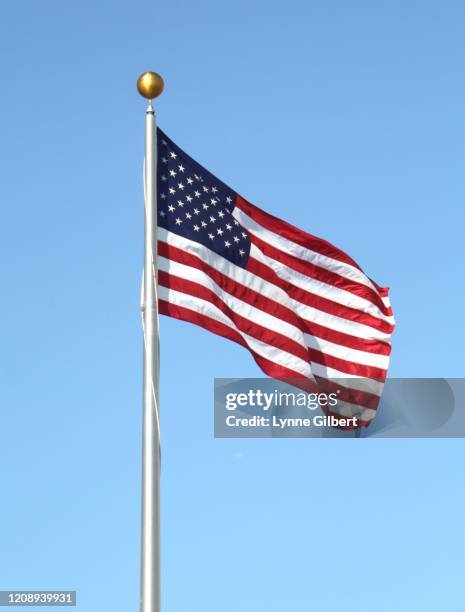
point(194, 204)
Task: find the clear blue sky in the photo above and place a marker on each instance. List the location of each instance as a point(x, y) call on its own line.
point(345, 118)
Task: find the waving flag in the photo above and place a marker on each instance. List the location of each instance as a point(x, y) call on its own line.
point(303, 308)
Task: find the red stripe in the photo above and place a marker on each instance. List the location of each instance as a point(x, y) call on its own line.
point(376, 347)
point(364, 399)
point(185, 314)
point(346, 367)
point(315, 301)
point(383, 291)
point(321, 274)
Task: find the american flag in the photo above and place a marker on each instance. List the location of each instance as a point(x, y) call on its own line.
point(303, 308)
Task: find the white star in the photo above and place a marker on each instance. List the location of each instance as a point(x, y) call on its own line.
point(196, 228)
point(212, 219)
point(171, 208)
point(228, 200)
point(189, 198)
point(188, 216)
point(164, 160)
point(241, 252)
point(197, 194)
point(211, 236)
point(244, 235)
point(213, 201)
point(163, 177)
point(228, 226)
point(164, 142)
point(163, 196)
point(162, 213)
point(205, 206)
point(203, 224)
point(205, 189)
point(196, 211)
point(236, 239)
point(190, 181)
point(214, 189)
point(172, 173)
point(181, 186)
point(221, 214)
point(172, 190)
point(219, 231)
point(178, 221)
point(173, 155)
point(181, 168)
point(236, 222)
point(227, 243)
point(180, 203)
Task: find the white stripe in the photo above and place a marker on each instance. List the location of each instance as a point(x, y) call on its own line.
point(269, 290)
point(350, 381)
point(347, 353)
point(242, 308)
point(345, 326)
point(207, 309)
point(287, 246)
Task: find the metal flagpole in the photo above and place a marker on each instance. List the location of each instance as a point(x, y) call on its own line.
point(150, 85)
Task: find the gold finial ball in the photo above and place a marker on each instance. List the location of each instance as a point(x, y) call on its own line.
point(150, 85)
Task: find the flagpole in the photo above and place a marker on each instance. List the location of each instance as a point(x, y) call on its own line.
point(150, 85)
